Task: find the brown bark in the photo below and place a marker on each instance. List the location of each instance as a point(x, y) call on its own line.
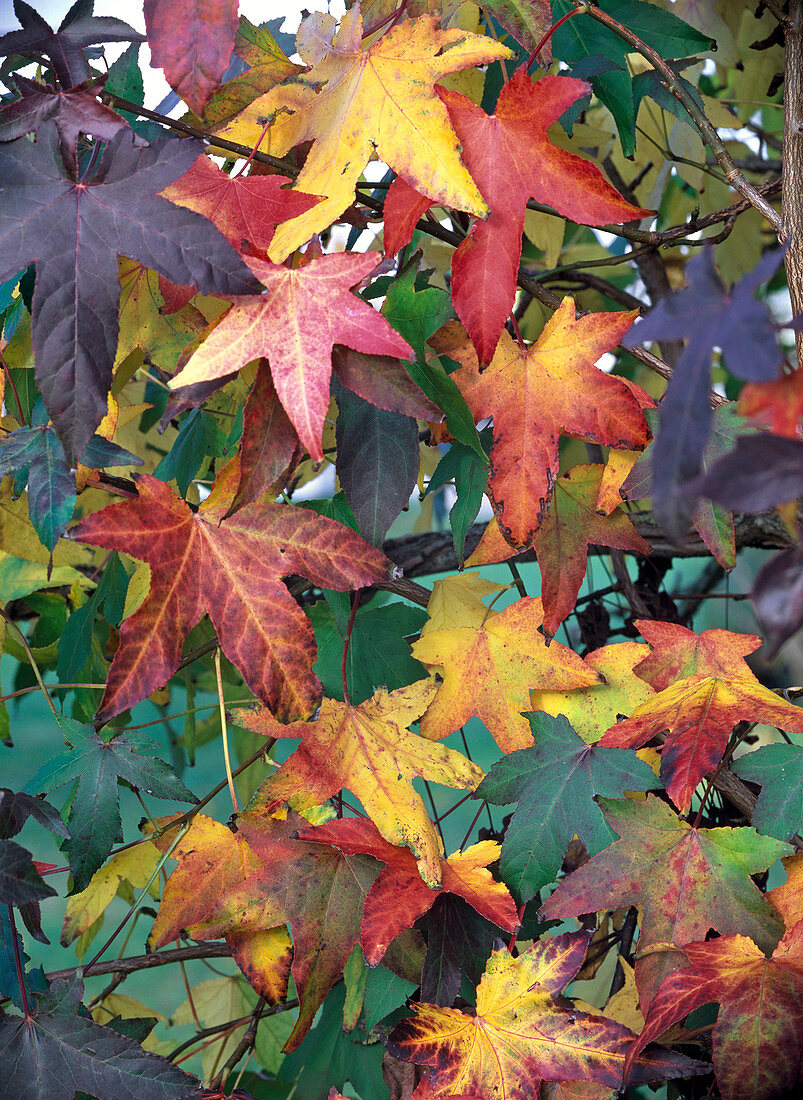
point(792, 193)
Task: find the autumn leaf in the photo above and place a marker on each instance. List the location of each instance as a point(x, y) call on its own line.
point(538, 394)
point(306, 311)
point(399, 896)
point(74, 234)
point(192, 40)
point(246, 209)
point(684, 880)
point(135, 866)
point(512, 160)
point(490, 669)
point(231, 570)
point(704, 689)
point(758, 1036)
point(65, 46)
point(522, 1032)
point(368, 749)
point(777, 404)
point(592, 710)
point(350, 104)
point(555, 783)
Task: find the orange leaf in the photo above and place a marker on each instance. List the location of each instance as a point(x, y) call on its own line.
point(758, 1036)
point(231, 570)
point(368, 749)
point(523, 1032)
point(359, 100)
point(490, 670)
point(399, 896)
point(537, 394)
point(705, 688)
point(304, 313)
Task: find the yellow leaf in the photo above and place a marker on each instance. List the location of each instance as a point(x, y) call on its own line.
point(134, 865)
point(457, 601)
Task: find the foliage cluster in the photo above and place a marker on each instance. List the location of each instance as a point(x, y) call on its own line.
point(527, 262)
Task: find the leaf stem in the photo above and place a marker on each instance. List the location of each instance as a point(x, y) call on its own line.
point(569, 14)
point(347, 642)
point(18, 962)
point(224, 731)
point(31, 658)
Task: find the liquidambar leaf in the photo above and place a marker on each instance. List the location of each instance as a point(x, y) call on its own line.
point(232, 570)
point(368, 749)
point(350, 104)
point(490, 669)
point(555, 783)
point(306, 311)
point(758, 1035)
point(522, 1033)
point(192, 41)
point(705, 688)
point(540, 393)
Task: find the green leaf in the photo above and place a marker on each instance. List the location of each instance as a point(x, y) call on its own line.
point(327, 1057)
point(379, 654)
point(778, 770)
point(198, 437)
point(75, 643)
point(377, 462)
point(9, 987)
point(55, 1052)
point(98, 765)
point(470, 475)
point(555, 782)
point(384, 993)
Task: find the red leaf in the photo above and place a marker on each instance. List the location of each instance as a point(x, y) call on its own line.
point(192, 40)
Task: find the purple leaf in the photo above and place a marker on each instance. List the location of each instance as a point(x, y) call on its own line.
point(777, 598)
point(761, 472)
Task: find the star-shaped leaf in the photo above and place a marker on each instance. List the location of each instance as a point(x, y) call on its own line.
point(232, 570)
point(295, 325)
point(540, 393)
point(758, 1035)
point(369, 750)
point(704, 689)
point(400, 896)
point(357, 101)
point(778, 770)
point(684, 881)
point(490, 669)
point(555, 783)
point(523, 1032)
point(65, 47)
point(97, 765)
point(74, 233)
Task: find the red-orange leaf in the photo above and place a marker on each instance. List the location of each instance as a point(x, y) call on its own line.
point(399, 896)
point(537, 394)
point(232, 571)
point(246, 209)
point(684, 880)
point(522, 1033)
point(758, 1036)
point(705, 688)
point(295, 325)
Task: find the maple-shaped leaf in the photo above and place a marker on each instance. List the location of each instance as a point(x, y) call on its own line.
point(778, 770)
point(758, 1035)
point(75, 112)
point(53, 1052)
point(706, 315)
point(246, 209)
point(65, 47)
point(20, 881)
point(16, 807)
point(146, 324)
point(97, 766)
point(489, 670)
point(523, 1032)
point(593, 710)
point(512, 160)
point(555, 783)
point(704, 688)
point(368, 749)
point(74, 233)
point(684, 881)
point(192, 40)
point(213, 862)
point(540, 393)
point(232, 570)
point(359, 101)
point(52, 493)
point(295, 325)
point(318, 889)
point(135, 865)
point(399, 896)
